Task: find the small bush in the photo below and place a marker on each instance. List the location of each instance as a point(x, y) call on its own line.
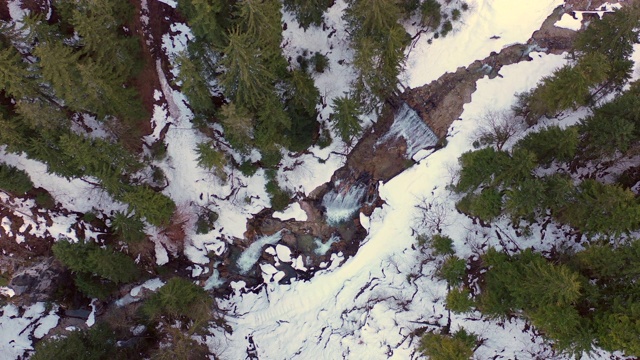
point(206, 220)
point(14, 180)
point(280, 198)
point(455, 14)
point(442, 245)
point(320, 62)
point(453, 270)
point(447, 27)
point(459, 300)
point(45, 200)
point(442, 347)
point(247, 168)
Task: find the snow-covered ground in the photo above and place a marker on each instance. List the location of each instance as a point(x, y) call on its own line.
point(368, 306)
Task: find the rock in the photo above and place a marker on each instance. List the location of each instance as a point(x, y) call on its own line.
point(37, 282)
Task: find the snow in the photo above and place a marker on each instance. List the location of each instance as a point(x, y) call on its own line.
point(570, 21)
point(367, 306)
point(92, 316)
point(250, 255)
point(16, 331)
point(134, 294)
point(294, 211)
point(283, 253)
point(171, 3)
point(513, 21)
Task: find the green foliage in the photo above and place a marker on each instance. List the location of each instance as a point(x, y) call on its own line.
point(602, 209)
point(261, 21)
point(345, 118)
point(379, 42)
point(157, 208)
point(604, 135)
point(206, 220)
point(247, 168)
point(211, 159)
point(480, 167)
point(453, 270)
point(459, 300)
point(238, 126)
point(460, 346)
point(246, 81)
point(487, 205)
point(442, 245)
point(14, 180)
point(568, 87)
point(613, 36)
point(97, 343)
point(208, 19)
point(193, 82)
point(308, 12)
point(45, 200)
point(525, 199)
point(128, 227)
point(178, 298)
point(430, 15)
point(94, 286)
point(620, 329)
point(320, 62)
point(280, 198)
point(551, 144)
point(302, 98)
point(88, 257)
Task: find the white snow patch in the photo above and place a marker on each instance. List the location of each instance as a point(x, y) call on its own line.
point(284, 253)
point(294, 211)
point(570, 21)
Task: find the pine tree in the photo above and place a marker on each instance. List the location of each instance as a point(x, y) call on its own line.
point(345, 117)
point(238, 126)
point(155, 207)
point(246, 80)
point(128, 227)
point(208, 19)
point(308, 12)
point(193, 83)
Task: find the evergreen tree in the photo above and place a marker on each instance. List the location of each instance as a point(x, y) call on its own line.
point(14, 180)
point(238, 126)
point(308, 12)
point(551, 143)
point(613, 36)
point(208, 19)
point(88, 257)
point(345, 117)
point(128, 227)
point(246, 80)
point(155, 207)
point(193, 83)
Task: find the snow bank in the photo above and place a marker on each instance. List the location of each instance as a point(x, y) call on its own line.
point(488, 25)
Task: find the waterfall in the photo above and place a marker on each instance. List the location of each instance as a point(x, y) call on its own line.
point(250, 255)
point(410, 126)
point(342, 205)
